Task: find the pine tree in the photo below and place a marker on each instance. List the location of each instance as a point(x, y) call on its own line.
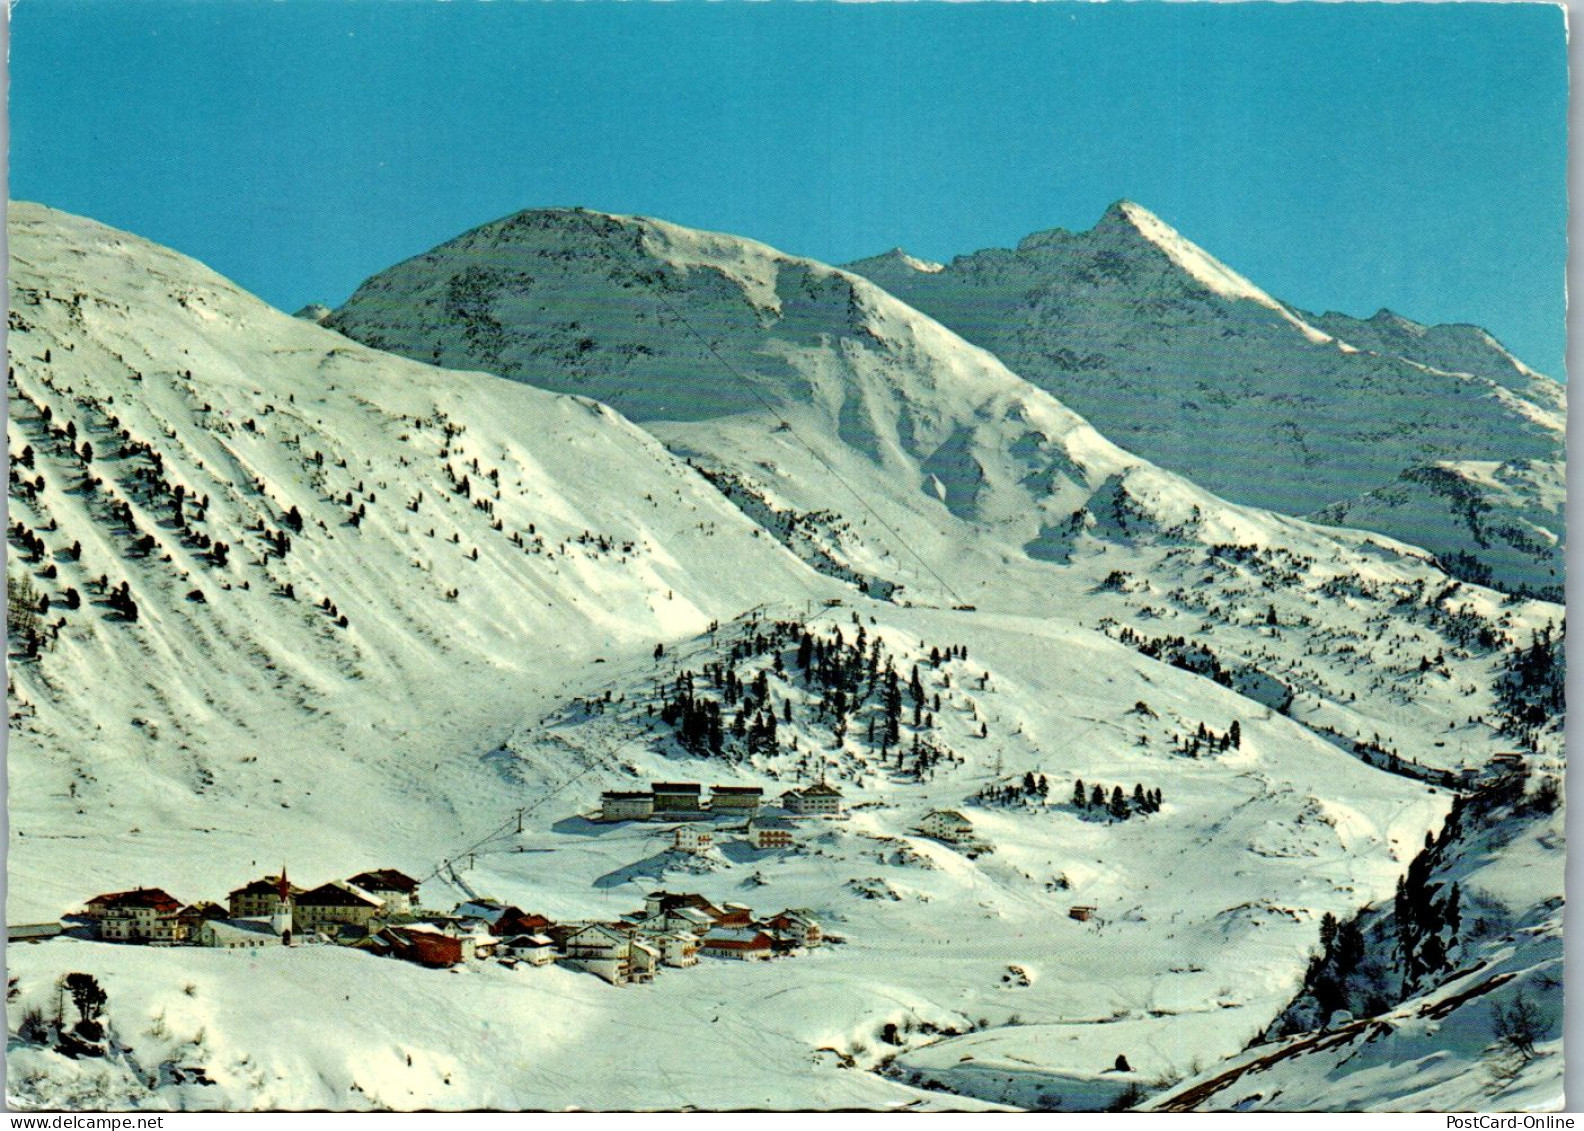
point(1097, 798)
point(1349, 948)
point(1118, 808)
point(1328, 930)
point(1079, 799)
point(1451, 911)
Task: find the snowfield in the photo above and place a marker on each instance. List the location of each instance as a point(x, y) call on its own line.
point(448, 598)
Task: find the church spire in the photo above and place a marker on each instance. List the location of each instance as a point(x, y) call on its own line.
point(281, 921)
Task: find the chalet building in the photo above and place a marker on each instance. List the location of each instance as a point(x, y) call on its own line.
point(677, 797)
point(734, 915)
point(479, 944)
point(194, 917)
point(515, 921)
point(736, 799)
point(334, 904)
point(485, 912)
point(617, 805)
point(238, 934)
point(429, 947)
point(797, 926)
point(610, 953)
point(558, 933)
point(101, 905)
point(818, 800)
point(679, 911)
point(644, 959)
point(262, 897)
point(1507, 764)
point(948, 825)
point(770, 832)
point(696, 839)
point(147, 915)
point(676, 918)
point(677, 948)
point(741, 943)
point(397, 890)
point(535, 950)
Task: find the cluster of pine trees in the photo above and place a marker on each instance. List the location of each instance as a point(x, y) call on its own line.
point(1115, 804)
point(120, 599)
point(1342, 953)
point(1205, 740)
point(1177, 651)
point(855, 679)
point(1532, 691)
point(1428, 916)
point(33, 547)
point(1032, 789)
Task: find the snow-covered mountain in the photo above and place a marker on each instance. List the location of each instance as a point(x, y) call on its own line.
point(1451, 348)
point(468, 534)
point(506, 560)
point(1493, 523)
point(1179, 358)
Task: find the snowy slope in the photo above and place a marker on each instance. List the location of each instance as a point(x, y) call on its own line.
point(1491, 522)
point(1179, 358)
point(1449, 1043)
point(252, 728)
point(1206, 910)
point(250, 721)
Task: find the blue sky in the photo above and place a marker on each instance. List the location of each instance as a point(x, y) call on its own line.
point(1343, 156)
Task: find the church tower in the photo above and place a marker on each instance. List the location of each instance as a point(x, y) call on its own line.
point(281, 920)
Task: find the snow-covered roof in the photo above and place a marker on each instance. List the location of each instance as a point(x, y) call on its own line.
point(234, 929)
point(737, 937)
point(338, 893)
point(384, 879)
point(599, 928)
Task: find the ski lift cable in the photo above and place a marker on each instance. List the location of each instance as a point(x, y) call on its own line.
point(782, 422)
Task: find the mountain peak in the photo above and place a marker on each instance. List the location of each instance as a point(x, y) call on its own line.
point(1128, 222)
point(1386, 317)
point(895, 260)
point(1128, 212)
